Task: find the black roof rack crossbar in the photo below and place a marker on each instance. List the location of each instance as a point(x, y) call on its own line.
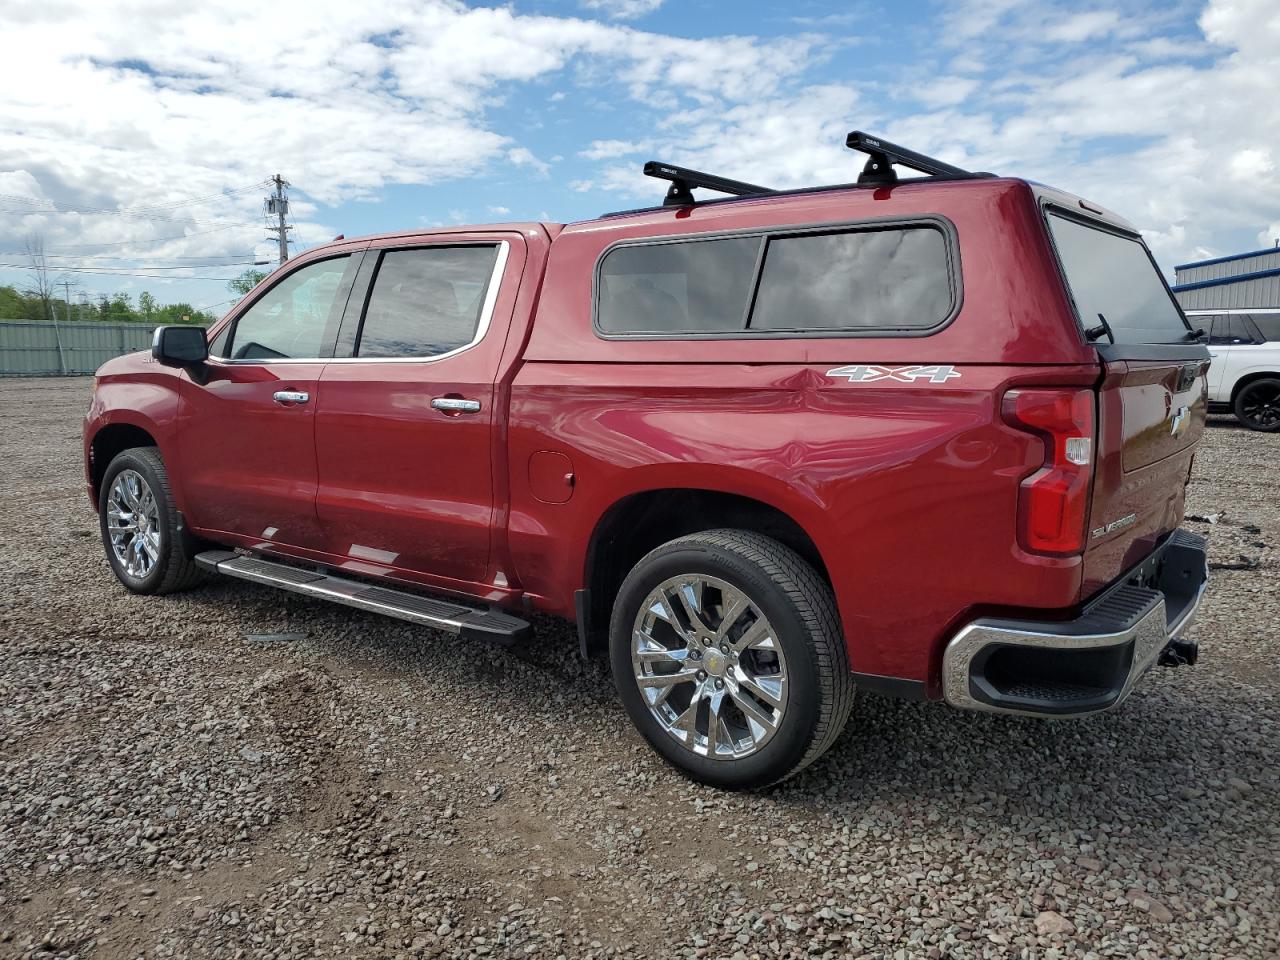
point(683, 180)
point(881, 155)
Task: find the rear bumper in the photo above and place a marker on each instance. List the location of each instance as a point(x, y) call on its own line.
point(1081, 666)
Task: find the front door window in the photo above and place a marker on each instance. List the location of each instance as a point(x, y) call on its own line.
point(296, 318)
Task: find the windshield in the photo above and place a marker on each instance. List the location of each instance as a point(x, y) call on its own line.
point(1113, 275)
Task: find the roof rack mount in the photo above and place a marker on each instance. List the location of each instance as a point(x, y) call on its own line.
point(683, 181)
point(882, 155)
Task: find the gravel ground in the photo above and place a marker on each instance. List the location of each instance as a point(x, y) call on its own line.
point(170, 788)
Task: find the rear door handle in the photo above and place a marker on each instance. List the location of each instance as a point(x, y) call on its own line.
point(455, 405)
point(290, 396)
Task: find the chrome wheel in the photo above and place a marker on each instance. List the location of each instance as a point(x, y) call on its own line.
point(133, 524)
point(709, 667)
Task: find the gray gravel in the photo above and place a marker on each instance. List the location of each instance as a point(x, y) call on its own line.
point(170, 788)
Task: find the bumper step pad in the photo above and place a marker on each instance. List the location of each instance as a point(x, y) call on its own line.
point(1090, 663)
point(463, 621)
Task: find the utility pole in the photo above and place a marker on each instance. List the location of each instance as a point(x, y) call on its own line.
point(277, 205)
point(66, 287)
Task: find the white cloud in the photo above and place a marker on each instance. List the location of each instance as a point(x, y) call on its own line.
point(523, 157)
point(1079, 27)
point(500, 211)
point(623, 9)
point(610, 149)
point(152, 102)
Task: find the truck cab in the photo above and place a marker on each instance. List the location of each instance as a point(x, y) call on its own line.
point(742, 444)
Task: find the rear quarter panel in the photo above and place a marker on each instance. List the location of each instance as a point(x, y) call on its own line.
point(908, 491)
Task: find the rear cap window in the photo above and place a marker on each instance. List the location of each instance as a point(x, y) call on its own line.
point(870, 279)
point(1112, 277)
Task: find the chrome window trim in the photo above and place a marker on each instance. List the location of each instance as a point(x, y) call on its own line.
point(482, 328)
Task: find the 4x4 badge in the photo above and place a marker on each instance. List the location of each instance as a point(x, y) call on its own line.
point(870, 372)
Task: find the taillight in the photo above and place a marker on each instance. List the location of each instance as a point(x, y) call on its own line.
point(1053, 502)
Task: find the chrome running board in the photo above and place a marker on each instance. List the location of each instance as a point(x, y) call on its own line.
point(466, 622)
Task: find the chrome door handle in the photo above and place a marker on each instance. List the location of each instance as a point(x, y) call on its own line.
point(290, 396)
point(455, 405)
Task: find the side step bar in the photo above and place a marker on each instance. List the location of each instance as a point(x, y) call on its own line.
point(466, 622)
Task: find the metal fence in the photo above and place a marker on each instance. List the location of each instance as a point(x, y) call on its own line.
point(41, 349)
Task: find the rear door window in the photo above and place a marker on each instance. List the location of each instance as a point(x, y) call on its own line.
point(1268, 325)
point(1112, 276)
point(1231, 329)
point(869, 280)
point(427, 301)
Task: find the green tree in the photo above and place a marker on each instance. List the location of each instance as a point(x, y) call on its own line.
point(16, 305)
point(146, 305)
point(121, 309)
point(246, 281)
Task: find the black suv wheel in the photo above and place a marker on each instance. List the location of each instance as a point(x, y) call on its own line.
point(1258, 405)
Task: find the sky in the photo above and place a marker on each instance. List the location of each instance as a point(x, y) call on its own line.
point(135, 137)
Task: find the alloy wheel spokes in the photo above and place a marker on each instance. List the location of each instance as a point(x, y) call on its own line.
point(133, 524)
point(708, 667)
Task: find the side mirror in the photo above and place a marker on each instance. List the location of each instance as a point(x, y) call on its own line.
point(180, 346)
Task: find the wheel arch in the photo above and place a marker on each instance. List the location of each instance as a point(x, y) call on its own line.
point(107, 442)
point(642, 520)
point(1252, 377)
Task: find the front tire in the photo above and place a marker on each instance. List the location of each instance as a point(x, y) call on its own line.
point(1257, 405)
point(142, 531)
point(727, 654)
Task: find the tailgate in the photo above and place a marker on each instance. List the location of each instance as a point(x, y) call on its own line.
point(1151, 415)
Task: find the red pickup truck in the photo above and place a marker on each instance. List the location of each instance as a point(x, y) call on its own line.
point(926, 436)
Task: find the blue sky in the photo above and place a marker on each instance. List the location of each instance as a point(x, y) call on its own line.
point(420, 112)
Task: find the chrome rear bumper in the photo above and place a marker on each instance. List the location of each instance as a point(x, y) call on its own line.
point(1085, 665)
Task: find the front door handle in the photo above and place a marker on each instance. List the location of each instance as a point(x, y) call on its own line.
point(290, 396)
point(455, 405)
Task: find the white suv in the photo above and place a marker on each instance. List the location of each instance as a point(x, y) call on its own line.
point(1245, 376)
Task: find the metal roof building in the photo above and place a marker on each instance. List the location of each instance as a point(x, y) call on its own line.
point(1240, 281)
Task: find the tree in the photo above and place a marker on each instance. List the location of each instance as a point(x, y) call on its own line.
point(146, 304)
point(246, 281)
point(42, 286)
point(15, 305)
point(121, 309)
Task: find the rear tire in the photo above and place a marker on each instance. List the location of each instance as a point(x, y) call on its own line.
point(1257, 405)
point(142, 532)
point(727, 654)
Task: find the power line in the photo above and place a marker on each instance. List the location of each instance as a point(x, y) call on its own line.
point(108, 256)
point(205, 199)
point(137, 211)
point(181, 236)
point(117, 273)
point(122, 214)
point(210, 306)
